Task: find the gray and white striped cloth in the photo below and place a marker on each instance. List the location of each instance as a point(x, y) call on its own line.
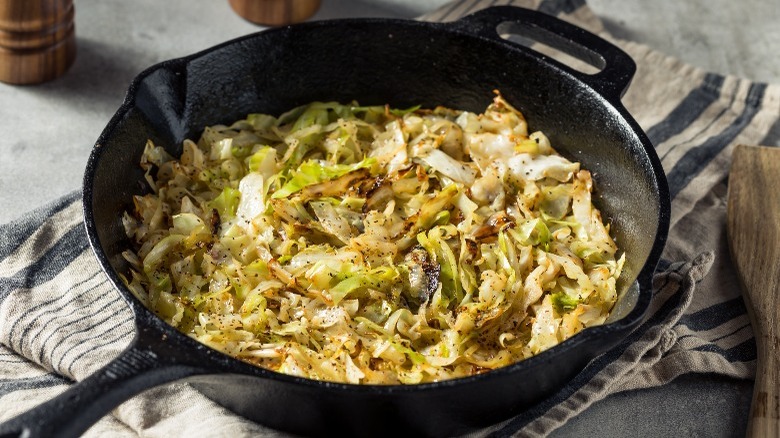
point(60, 320)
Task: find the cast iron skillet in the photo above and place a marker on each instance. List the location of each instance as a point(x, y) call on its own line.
point(374, 61)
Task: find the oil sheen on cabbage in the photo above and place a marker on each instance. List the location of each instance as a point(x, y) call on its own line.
point(370, 245)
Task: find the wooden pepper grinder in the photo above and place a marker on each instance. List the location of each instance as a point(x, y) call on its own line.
point(275, 12)
point(37, 40)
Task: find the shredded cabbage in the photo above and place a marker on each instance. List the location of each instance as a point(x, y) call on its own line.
point(371, 245)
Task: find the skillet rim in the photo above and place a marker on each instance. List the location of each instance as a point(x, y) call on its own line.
point(144, 317)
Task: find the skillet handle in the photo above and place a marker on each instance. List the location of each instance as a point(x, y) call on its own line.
point(74, 411)
point(616, 66)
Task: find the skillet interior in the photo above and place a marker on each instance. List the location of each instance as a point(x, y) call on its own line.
point(375, 62)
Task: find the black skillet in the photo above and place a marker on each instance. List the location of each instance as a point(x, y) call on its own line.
point(374, 61)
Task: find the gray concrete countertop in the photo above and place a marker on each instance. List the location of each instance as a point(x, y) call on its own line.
point(47, 132)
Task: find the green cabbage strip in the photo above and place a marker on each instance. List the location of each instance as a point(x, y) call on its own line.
point(313, 172)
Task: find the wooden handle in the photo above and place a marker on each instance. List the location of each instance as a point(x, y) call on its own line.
point(37, 40)
point(754, 239)
point(275, 12)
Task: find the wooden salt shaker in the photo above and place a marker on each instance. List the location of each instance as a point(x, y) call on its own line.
point(275, 12)
point(37, 40)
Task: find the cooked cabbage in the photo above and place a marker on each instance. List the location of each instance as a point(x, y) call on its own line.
point(371, 245)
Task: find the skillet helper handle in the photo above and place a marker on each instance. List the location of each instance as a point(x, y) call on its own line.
point(617, 68)
point(74, 411)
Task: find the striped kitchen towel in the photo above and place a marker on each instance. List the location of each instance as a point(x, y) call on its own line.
point(60, 320)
